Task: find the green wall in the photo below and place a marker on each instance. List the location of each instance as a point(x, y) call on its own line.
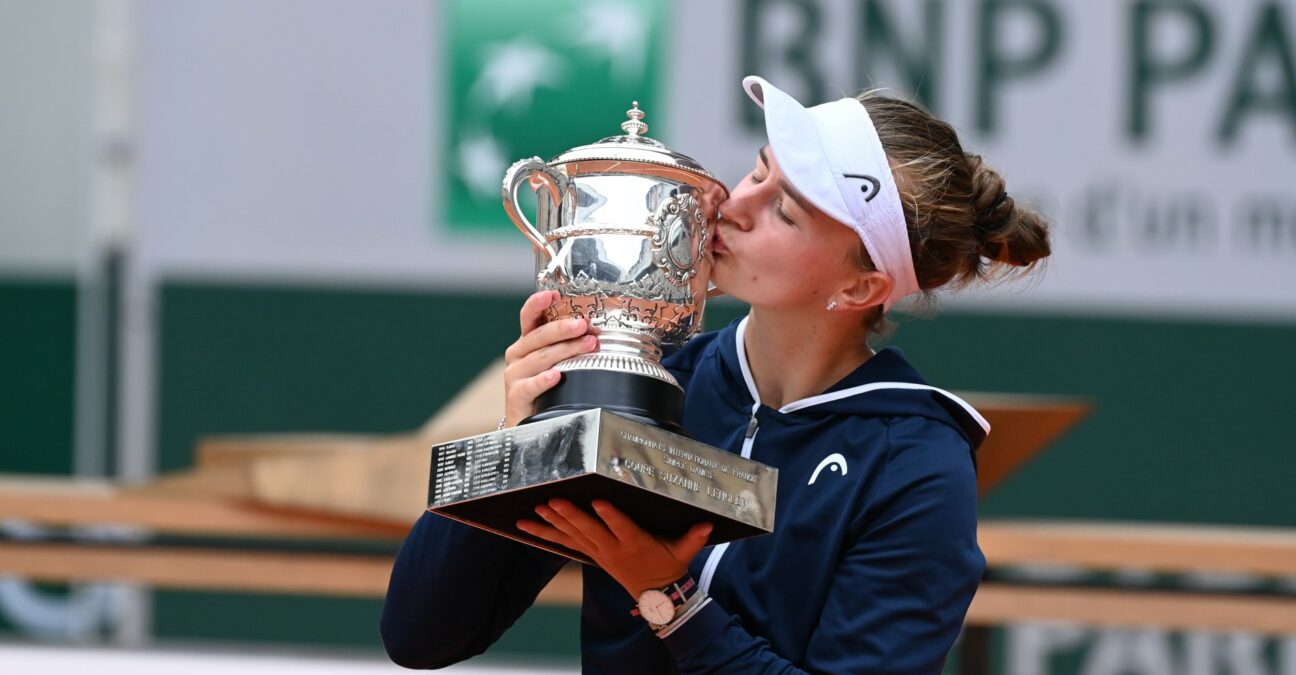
point(1189, 421)
point(37, 362)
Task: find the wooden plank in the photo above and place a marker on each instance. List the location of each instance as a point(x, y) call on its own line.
point(380, 478)
point(388, 482)
point(474, 410)
point(227, 481)
point(63, 503)
point(1268, 552)
point(1159, 547)
point(239, 449)
point(997, 603)
point(202, 569)
point(335, 574)
point(565, 588)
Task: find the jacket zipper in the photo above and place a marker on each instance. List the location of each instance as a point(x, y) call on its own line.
point(713, 560)
point(751, 433)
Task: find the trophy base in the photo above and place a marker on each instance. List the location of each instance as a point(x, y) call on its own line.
point(644, 399)
point(666, 483)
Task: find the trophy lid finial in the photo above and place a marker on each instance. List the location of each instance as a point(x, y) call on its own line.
point(635, 126)
point(631, 152)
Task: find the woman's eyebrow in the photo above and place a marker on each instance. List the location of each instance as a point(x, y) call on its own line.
point(787, 187)
point(796, 197)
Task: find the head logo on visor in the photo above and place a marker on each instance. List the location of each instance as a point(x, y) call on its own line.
point(832, 154)
point(871, 188)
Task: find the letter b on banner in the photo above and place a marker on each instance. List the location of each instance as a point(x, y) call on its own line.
point(793, 48)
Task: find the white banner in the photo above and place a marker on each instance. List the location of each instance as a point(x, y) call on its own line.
point(46, 59)
point(303, 141)
point(1159, 136)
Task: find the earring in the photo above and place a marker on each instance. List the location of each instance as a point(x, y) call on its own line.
point(832, 305)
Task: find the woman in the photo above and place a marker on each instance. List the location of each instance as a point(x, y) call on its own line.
point(853, 206)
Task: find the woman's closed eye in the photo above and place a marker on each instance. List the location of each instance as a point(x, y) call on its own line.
point(782, 213)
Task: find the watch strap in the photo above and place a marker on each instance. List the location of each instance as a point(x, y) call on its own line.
point(678, 591)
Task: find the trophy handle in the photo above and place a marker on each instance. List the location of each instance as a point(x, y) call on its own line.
point(537, 174)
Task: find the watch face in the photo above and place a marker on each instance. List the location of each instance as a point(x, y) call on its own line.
point(656, 607)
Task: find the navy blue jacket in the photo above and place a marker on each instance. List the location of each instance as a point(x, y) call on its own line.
point(870, 569)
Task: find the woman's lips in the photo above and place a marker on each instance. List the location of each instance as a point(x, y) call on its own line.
point(717, 243)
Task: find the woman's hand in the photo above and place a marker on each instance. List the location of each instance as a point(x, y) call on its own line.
point(636, 559)
point(529, 362)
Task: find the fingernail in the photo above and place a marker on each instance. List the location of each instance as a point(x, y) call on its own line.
point(575, 324)
point(552, 374)
point(590, 341)
point(706, 530)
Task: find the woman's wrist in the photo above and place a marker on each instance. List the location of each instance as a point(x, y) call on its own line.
point(664, 606)
point(686, 612)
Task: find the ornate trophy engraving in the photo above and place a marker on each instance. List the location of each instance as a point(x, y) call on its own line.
point(621, 231)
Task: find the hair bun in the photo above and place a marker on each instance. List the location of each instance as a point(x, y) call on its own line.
point(1007, 234)
point(986, 219)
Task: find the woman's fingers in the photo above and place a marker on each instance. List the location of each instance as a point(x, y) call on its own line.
point(533, 374)
point(529, 361)
point(622, 527)
point(533, 310)
point(589, 526)
point(629, 533)
point(544, 336)
point(549, 533)
point(526, 390)
point(548, 356)
point(691, 543)
point(562, 521)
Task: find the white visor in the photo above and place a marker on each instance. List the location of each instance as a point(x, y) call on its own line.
point(832, 155)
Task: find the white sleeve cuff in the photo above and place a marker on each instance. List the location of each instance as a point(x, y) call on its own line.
point(681, 619)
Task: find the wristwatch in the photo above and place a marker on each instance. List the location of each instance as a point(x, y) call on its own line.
point(658, 606)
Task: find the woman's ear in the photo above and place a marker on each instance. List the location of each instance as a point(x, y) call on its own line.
point(868, 289)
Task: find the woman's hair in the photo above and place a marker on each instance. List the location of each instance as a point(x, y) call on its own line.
point(963, 226)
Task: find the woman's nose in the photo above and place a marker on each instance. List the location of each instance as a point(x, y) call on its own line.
point(731, 210)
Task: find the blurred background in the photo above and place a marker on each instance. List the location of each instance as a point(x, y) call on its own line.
point(254, 217)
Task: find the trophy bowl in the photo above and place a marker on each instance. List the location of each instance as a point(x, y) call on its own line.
point(622, 232)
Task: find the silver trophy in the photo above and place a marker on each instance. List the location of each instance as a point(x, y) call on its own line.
point(622, 231)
